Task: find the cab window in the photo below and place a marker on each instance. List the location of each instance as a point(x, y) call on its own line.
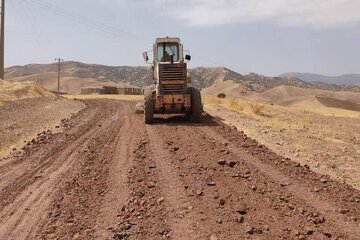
point(165, 50)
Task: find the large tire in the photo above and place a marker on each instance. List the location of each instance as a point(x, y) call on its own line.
point(196, 105)
point(149, 108)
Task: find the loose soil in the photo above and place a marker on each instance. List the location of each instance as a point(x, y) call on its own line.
point(107, 175)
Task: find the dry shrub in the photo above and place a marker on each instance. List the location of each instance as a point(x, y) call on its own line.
point(257, 108)
point(235, 104)
point(221, 95)
point(37, 90)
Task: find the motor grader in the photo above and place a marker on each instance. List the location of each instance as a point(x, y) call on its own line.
point(170, 93)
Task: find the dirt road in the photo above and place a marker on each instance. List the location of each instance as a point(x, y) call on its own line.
point(106, 175)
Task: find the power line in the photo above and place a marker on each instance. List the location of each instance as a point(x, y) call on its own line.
point(94, 24)
point(102, 27)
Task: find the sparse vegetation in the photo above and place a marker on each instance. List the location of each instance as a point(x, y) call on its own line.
point(221, 95)
point(257, 108)
point(10, 91)
point(38, 90)
point(235, 104)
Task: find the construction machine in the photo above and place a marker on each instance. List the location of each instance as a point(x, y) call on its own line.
point(171, 93)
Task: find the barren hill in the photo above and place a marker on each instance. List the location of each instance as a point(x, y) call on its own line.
point(76, 75)
point(311, 98)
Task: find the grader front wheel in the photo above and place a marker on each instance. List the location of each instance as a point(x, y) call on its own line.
point(149, 108)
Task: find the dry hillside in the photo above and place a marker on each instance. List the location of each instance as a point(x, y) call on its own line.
point(293, 96)
point(21, 90)
point(76, 75)
point(288, 96)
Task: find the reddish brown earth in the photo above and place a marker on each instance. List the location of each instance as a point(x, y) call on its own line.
point(106, 175)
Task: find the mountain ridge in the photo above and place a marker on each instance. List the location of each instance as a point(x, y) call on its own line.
point(345, 79)
point(202, 77)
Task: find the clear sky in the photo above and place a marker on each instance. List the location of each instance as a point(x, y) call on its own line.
point(264, 36)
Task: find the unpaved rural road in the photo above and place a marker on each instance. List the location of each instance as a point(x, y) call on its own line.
point(107, 175)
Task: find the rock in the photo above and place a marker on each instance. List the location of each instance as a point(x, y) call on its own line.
point(151, 185)
point(309, 231)
point(246, 176)
point(343, 211)
point(301, 237)
point(222, 162)
point(254, 188)
point(175, 149)
point(316, 218)
point(76, 236)
point(284, 199)
point(222, 202)
point(211, 183)
point(250, 230)
point(199, 192)
point(327, 234)
point(240, 219)
point(231, 163)
point(241, 209)
point(127, 226)
point(139, 108)
point(120, 236)
point(323, 180)
point(213, 237)
point(160, 200)
point(283, 184)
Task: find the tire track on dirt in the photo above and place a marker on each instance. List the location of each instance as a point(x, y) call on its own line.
point(143, 216)
point(181, 225)
point(86, 204)
point(109, 176)
point(323, 205)
point(120, 160)
point(275, 209)
point(32, 191)
point(26, 197)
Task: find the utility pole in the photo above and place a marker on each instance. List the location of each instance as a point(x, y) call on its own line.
point(59, 60)
point(2, 41)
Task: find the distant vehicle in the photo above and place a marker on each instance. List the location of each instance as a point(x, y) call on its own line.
point(171, 94)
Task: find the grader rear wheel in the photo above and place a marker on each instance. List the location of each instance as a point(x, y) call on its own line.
point(196, 105)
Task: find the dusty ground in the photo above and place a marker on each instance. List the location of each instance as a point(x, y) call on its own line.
point(322, 139)
point(106, 175)
point(23, 119)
